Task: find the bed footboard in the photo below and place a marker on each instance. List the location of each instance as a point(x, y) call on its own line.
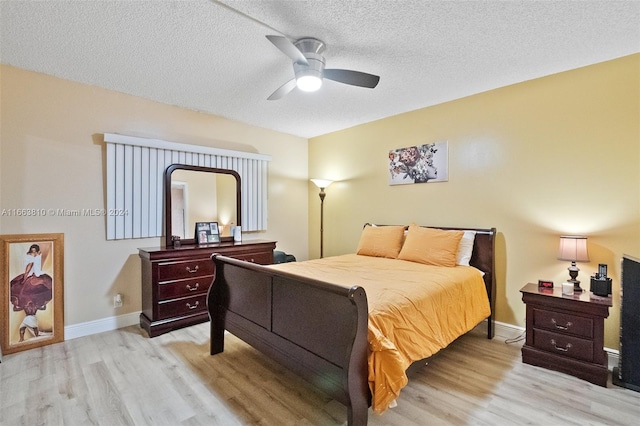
point(317, 329)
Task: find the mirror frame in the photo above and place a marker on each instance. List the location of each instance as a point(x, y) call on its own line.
point(167, 199)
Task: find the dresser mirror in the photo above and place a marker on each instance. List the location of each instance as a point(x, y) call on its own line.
point(200, 194)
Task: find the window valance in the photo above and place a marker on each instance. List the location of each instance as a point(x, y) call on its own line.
point(134, 173)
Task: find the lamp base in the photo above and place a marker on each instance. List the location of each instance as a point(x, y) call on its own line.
point(576, 285)
point(573, 273)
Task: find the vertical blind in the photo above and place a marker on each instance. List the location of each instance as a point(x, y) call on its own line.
point(135, 182)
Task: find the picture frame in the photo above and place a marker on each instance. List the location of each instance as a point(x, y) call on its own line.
point(207, 233)
point(32, 296)
point(424, 163)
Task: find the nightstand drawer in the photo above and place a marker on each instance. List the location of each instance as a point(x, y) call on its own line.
point(186, 269)
point(573, 347)
point(563, 323)
point(184, 306)
point(183, 288)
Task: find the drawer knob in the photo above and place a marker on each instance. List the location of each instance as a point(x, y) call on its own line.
point(194, 306)
point(561, 327)
point(193, 288)
point(565, 349)
point(191, 271)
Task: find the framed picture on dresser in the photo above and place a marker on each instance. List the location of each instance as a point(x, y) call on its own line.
point(32, 298)
point(207, 232)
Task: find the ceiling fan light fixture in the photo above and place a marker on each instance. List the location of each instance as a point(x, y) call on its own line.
point(309, 83)
point(309, 70)
point(309, 76)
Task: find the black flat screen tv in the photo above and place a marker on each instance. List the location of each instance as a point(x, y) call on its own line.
point(627, 373)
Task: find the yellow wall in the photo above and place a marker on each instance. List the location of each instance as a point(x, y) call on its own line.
point(52, 156)
point(539, 159)
point(552, 156)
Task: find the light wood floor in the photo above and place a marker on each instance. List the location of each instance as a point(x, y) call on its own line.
point(124, 378)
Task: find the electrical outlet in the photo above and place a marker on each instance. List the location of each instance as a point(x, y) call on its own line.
point(117, 301)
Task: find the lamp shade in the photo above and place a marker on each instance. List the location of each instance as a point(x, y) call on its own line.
point(573, 248)
point(322, 183)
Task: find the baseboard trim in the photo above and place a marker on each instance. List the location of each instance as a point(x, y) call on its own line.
point(100, 326)
point(114, 323)
point(508, 326)
point(613, 355)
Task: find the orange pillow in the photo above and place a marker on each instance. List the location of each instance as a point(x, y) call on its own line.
point(431, 246)
point(381, 241)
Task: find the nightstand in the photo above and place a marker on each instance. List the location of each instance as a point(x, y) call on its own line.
point(566, 333)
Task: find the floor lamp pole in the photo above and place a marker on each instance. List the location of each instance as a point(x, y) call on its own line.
point(322, 195)
point(322, 184)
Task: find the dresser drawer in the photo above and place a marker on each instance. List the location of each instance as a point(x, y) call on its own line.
point(563, 323)
point(261, 257)
point(561, 344)
point(183, 306)
point(184, 288)
point(185, 269)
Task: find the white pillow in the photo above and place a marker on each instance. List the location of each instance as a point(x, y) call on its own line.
point(465, 249)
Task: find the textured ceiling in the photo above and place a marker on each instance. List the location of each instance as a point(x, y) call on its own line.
point(213, 56)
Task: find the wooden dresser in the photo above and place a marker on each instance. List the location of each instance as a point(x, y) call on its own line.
point(566, 333)
point(175, 281)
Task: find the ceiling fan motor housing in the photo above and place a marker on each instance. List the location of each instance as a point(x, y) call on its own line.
point(312, 49)
point(310, 45)
point(315, 67)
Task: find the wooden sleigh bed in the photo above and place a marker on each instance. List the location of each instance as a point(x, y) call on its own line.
point(317, 329)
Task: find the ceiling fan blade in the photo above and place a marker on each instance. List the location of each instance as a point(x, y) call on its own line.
point(354, 78)
point(283, 90)
point(288, 48)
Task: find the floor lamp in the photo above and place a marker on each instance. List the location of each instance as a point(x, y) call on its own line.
point(322, 184)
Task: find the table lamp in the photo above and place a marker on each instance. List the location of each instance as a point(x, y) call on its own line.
point(574, 249)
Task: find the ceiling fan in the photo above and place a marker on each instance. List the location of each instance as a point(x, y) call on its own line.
point(308, 67)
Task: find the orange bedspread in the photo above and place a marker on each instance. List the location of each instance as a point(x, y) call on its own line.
point(414, 310)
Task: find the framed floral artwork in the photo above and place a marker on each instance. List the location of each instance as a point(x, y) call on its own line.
point(419, 164)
